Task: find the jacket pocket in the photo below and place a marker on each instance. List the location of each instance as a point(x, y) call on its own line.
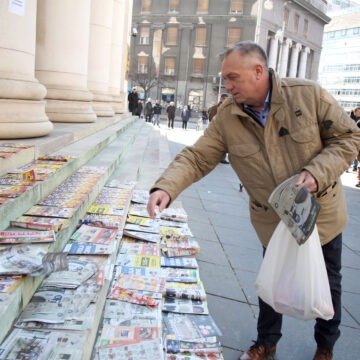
point(247, 161)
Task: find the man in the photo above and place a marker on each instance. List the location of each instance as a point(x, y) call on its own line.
point(213, 109)
point(212, 112)
point(171, 110)
point(133, 99)
point(148, 111)
point(272, 129)
point(157, 112)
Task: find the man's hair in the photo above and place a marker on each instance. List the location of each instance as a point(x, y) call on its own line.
point(247, 48)
point(224, 96)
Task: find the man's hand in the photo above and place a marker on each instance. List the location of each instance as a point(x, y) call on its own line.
point(306, 179)
point(158, 198)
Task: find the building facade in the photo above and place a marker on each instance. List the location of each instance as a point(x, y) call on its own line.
point(176, 44)
point(339, 69)
point(61, 61)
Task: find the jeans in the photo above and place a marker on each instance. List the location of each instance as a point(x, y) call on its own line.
point(326, 332)
point(171, 122)
point(156, 119)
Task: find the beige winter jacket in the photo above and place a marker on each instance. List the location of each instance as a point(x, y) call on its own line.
point(306, 129)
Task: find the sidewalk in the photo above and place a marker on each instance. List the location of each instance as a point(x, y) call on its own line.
point(231, 254)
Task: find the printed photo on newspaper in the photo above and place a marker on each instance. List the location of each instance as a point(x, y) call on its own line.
point(296, 207)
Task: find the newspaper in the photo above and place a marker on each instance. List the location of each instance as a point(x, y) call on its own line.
point(296, 207)
point(32, 260)
point(191, 291)
point(211, 356)
point(134, 247)
point(179, 262)
point(201, 346)
point(181, 275)
point(184, 306)
point(150, 261)
point(145, 350)
point(175, 214)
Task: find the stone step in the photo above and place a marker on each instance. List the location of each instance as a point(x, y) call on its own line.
point(121, 149)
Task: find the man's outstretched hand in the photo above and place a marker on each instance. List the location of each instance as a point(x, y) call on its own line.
point(160, 199)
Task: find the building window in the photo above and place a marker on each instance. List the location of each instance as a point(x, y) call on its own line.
point(146, 6)
point(171, 36)
point(144, 36)
point(234, 36)
point(203, 6)
point(169, 68)
point(236, 6)
point(174, 6)
point(200, 36)
point(286, 17)
point(306, 27)
point(198, 66)
point(142, 64)
point(296, 23)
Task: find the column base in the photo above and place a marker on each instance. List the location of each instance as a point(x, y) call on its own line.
point(102, 108)
point(70, 111)
point(20, 119)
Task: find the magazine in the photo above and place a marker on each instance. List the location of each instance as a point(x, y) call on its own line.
point(87, 248)
point(179, 290)
point(296, 207)
point(151, 261)
point(140, 197)
point(145, 350)
point(51, 211)
point(175, 234)
point(9, 283)
point(190, 327)
point(173, 248)
point(201, 346)
point(147, 298)
point(139, 282)
point(40, 223)
point(153, 238)
point(174, 214)
point(155, 229)
point(26, 237)
point(184, 306)
point(179, 262)
point(210, 356)
point(113, 336)
point(181, 275)
point(105, 210)
point(143, 221)
point(138, 210)
point(134, 247)
point(93, 234)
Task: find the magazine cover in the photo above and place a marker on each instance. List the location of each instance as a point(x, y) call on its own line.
point(93, 234)
point(26, 237)
point(112, 336)
point(107, 221)
point(140, 297)
point(181, 275)
point(153, 238)
point(105, 210)
point(145, 350)
point(296, 207)
point(131, 246)
point(174, 214)
point(179, 290)
point(138, 260)
point(203, 346)
point(40, 223)
point(51, 211)
point(179, 262)
point(155, 229)
point(184, 306)
point(190, 327)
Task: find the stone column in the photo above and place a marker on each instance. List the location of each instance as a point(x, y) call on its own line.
point(274, 49)
point(116, 60)
point(294, 59)
point(284, 57)
point(22, 105)
point(99, 56)
point(303, 62)
point(61, 59)
point(125, 54)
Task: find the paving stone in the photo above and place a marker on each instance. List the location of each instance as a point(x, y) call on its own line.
point(245, 259)
point(212, 252)
point(247, 280)
point(202, 230)
point(220, 280)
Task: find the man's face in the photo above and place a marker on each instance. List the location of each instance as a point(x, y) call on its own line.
point(357, 113)
point(239, 75)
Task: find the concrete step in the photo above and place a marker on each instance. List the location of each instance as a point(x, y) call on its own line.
point(121, 150)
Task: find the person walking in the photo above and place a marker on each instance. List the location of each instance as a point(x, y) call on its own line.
point(139, 109)
point(204, 118)
point(185, 116)
point(148, 111)
point(171, 109)
point(157, 112)
point(273, 129)
point(133, 99)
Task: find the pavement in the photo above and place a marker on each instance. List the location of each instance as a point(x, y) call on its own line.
point(231, 255)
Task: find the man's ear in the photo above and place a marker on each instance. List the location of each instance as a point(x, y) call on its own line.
point(259, 71)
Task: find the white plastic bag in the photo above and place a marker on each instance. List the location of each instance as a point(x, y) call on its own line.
point(293, 278)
